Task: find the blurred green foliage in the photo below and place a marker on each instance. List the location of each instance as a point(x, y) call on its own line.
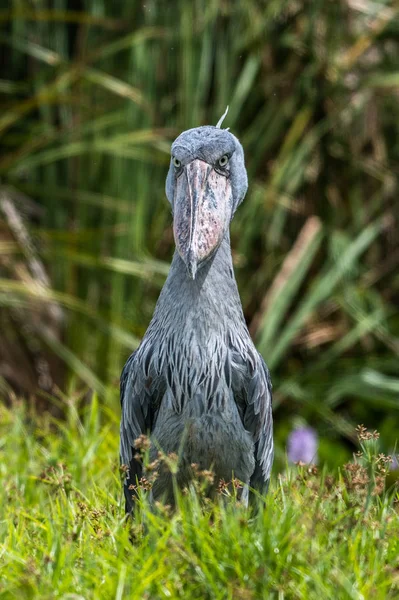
point(92, 93)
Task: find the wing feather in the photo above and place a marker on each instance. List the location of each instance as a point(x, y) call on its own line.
point(258, 420)
point(138, 412)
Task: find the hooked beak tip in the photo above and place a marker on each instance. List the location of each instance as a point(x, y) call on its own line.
point(192, 267)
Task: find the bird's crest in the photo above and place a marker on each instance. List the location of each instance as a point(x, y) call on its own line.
point(219, 123)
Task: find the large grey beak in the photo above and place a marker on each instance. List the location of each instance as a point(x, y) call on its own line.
point(201, 213)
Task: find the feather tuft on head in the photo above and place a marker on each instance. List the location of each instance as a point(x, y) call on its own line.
point(219, 123)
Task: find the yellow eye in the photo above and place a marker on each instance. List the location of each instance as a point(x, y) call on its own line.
point(176, 162)
point(224, 160)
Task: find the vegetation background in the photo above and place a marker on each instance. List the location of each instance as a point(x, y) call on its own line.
point(92, 92)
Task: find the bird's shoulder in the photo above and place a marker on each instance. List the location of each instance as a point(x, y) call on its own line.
point(248, 368)
point(126, 373)
point(141, 377)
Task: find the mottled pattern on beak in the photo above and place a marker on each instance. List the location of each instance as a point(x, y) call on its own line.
point(202, 212)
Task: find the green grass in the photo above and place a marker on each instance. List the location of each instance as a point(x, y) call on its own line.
point(63, 533)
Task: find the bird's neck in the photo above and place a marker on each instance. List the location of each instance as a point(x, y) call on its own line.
point(208, 303)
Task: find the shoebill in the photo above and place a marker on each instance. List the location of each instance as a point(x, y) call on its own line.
point(196, 385)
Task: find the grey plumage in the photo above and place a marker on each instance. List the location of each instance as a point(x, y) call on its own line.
point(196, 384)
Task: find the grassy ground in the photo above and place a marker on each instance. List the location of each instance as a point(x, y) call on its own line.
point(63, 532)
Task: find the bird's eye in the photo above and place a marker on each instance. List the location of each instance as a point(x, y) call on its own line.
point(176, 162)
point(224, 160)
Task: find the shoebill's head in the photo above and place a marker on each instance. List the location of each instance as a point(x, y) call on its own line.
point(206, 182)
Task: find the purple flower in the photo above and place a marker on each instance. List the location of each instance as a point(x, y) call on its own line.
point(394, 466)
point(302, 445)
